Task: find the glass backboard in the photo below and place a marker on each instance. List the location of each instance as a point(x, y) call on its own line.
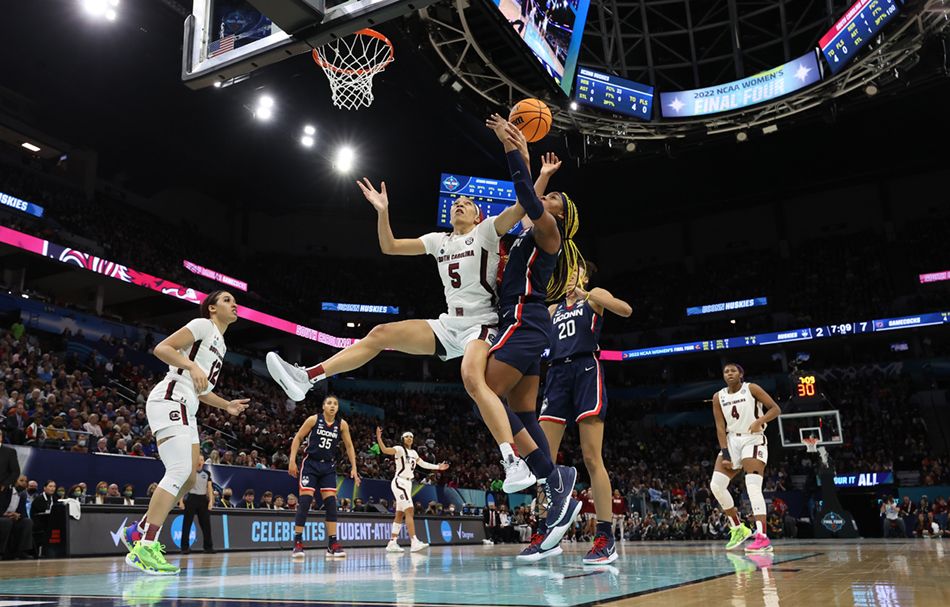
point(823, 425)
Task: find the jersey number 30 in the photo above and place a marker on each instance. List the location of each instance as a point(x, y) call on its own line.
point(566, 329)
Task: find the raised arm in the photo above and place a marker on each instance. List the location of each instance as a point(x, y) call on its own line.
point(772, 410)
point(388, 244)
point(429, 466)
point(550, 163)
point(350, 451)
point(382, 446)
point(602, 299)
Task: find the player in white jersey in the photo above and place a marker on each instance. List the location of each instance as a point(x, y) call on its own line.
point(468, 259)
point(195, 355)
point(406, 460)
point(742, 411)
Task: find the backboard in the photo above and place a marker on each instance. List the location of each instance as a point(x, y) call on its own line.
point(225, 40)
point(823, 425)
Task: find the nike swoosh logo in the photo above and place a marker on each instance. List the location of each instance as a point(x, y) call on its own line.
point(588, 368)
point(117, 534)
point(560, 482)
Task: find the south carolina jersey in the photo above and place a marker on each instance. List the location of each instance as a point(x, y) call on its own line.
point(208, 351)
point(406, 461)
point(324, 440)
point(740, 409)
point(527, 272)
point(576, 329)
point(468, 267)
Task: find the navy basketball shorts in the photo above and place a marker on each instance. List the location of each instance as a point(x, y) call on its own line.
point(317, 476)
point(524, 333)
point(574, 389)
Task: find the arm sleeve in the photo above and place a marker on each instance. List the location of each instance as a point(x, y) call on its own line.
point(432, 241)
point(523, 186)
point(424, 464)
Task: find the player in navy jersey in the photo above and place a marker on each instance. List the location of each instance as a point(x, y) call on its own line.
point(575, 393)
point(539, 264)
point(318, 470)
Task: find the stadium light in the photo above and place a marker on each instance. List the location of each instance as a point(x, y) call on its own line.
point(265, 108)
point(573, 105)
point(30, 146)
point(102, 8)
point(306, 141)
point(742, 136)
point(345, 157)
point(632, 146)
point(309, 130)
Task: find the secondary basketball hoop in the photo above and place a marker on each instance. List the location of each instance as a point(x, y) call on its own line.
point(350, 62)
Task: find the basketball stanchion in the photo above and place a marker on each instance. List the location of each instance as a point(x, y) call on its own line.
point(350, 63)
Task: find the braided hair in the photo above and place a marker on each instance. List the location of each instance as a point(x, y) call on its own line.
point(569, 257)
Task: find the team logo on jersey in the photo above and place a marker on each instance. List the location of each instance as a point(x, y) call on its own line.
point(469, 240)
point(544, 405)
point(174, 416)
point(833, 522)
point(450, 183)
point(305, 481)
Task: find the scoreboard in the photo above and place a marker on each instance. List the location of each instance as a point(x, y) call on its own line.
point(614, 94)
point(859, 25)
point(492, 196)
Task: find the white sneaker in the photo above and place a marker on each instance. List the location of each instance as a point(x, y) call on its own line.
point(517, 475)
point(417, 545)
point(394, 547)
point(488, 542)
point(291, 378)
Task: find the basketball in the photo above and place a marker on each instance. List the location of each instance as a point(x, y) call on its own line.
point(533, 119)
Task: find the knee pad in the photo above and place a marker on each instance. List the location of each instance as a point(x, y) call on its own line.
point(330, 504)
point(303, 507)
point(720, 490)
point(397, 527)
point(753, 485)
point(176, 455)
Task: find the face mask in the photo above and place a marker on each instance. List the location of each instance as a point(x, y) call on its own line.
point(128, 494)
point(31, 491)
point(77, 493)
point(60, 494)
point(103, 491)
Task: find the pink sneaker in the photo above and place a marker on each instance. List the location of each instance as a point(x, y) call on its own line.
point(761, 543)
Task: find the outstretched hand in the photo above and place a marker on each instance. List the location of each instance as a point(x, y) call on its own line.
point(237, 406)
point(550, 163)
point(378, 199)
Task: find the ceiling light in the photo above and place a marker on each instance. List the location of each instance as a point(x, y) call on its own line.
point(30, 146)
point(309, 130)
point(345, 157)
point(306, 141)
point(768, 130)
point(632, 146)
point(871, 89)
point(742, 136)
point(573, 105)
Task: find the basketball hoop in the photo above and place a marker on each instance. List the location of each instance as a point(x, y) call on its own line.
point(350, 62)
point(811, 445)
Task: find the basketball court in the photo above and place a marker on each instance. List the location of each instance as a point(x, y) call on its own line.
point(858, 572)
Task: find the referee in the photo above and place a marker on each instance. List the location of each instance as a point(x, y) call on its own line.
point(199, 500)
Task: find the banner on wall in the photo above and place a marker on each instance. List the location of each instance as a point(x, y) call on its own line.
point(97, 531)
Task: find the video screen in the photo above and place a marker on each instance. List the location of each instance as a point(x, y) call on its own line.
point(552, 29)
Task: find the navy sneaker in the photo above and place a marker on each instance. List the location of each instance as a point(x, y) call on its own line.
point(555, 533)
point(557, 489)
point(533, 552)
point(602, 552)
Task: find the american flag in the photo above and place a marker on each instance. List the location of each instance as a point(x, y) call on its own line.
point(221, 46)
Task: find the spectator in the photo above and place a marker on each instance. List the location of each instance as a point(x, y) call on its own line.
point(492, 521)
point(226, 498)
point(279, 502)
point(16, 527)
point(891, 519)
point(267, 501)
point(43, 502)
point(9, 466)
point(248, 502)
point(291, 502)
point(102, 492)
point(128, 495)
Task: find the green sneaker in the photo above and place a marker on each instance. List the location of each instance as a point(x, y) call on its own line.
point(150, 558)
point(738, 535)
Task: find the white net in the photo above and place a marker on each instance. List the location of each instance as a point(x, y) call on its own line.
point(350, 63)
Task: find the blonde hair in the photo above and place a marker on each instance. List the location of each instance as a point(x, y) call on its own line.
point(569, 258)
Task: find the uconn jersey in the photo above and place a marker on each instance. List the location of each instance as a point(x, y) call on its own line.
point(174, 401)
point(576, 329)
point(318, 471)
point(324, 440)
point(740, 409)
point(527, 272)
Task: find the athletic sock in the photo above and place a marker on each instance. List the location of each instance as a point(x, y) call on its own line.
point(603, 527)
point(316, 373)
point(540, 463)
point(507, 451)
point(733, 520)
point(759, 528)
point(150, 533)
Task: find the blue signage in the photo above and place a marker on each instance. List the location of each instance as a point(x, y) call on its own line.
point(177, 523)
point(614, 94)
point(727, 306)
point(360, 308)
point(492, 196)
point(12, 202)
point(764, 86)
point(446, 530)
point(858, 26)
point(864, 479)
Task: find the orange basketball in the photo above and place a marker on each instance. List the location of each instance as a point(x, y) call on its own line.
point(532, 117)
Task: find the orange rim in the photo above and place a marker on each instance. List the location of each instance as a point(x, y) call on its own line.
point(376, 68)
